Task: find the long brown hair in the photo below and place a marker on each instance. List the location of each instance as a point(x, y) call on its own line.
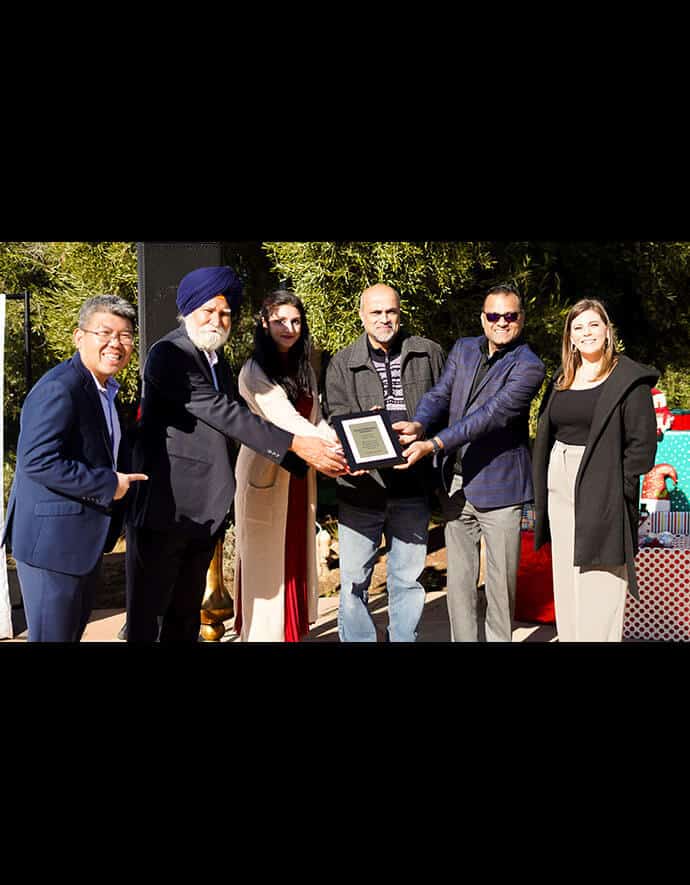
point(571, 359)
point(293, 374)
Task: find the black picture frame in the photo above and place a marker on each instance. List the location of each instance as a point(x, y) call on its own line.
point(345, 426)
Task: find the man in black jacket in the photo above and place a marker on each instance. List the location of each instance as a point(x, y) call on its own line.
point(190, 417)
point(389, 369)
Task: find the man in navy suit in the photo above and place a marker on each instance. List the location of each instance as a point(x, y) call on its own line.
point(69, 473)
point(485, 389)
point(190, 417)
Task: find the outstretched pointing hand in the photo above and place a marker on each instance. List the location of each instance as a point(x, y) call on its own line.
point(124, 481)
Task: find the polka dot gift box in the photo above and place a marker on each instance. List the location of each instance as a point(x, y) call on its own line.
point(663, 573)
point(663, 612)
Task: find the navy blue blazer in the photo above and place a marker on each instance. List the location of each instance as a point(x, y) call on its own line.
point(59, 512)
point(491, 429)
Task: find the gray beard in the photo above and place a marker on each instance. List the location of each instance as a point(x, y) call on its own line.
point(380, 339)
point(206, 340)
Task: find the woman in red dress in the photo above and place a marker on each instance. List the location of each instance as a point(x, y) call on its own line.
point(276, 583)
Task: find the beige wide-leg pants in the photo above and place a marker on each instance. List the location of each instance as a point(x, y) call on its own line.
point(590, 602)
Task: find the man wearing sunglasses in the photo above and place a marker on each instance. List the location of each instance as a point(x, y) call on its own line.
point(71, 470)
point(486, 389)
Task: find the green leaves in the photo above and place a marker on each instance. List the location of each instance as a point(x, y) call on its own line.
point(59, 278)
point(432, 278)
point(645, 285)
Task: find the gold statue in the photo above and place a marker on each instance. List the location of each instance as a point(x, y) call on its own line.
point(216, 605)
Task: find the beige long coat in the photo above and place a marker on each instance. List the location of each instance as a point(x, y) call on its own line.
point(261, 501)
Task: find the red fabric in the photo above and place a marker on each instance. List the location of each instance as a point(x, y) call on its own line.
point(237, 623)
point(296, 603)
point(534, 593)
point(680, 422)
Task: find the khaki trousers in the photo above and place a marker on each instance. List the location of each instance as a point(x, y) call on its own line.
point(590, 602)
point(466, 525)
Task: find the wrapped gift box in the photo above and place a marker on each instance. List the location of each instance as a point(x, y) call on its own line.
point(677, 522)
point(674, 449)
point(528, 517)
point(681, 419)
point(663, 612)
point(665, 539)
point(534, 590)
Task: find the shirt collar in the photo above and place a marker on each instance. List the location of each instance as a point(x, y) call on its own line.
point(500, 352)
point(379, 354)
point(111, 386)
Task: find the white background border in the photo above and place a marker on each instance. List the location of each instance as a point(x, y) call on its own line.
point(5, 605)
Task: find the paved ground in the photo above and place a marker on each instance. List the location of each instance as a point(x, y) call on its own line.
point(105, 623)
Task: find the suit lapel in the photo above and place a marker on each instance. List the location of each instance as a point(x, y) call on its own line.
point(94, 398)
point(545, 412)
point(199, 355)
point(468, 378)
point(500, 367)
point(470, 370)
point(226, 380)
point(202, 360)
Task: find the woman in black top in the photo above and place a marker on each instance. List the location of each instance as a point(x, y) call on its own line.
point(596, 436)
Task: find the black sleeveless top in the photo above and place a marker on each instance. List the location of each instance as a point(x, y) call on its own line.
point(572, 412)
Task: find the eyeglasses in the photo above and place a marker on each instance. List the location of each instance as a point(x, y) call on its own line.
point(126, 338)
point(510, 317)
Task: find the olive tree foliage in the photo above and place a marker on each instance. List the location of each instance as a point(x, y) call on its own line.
point(645, 287)
point(662, 322)
point(81, 270)
point(442, 287)
point(59, 278)
point(434, 280)
point(251, 263)
point(21, 270)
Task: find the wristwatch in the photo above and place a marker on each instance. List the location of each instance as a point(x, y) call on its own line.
point(435, 447)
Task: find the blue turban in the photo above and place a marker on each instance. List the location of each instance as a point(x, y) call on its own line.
point(202, 284)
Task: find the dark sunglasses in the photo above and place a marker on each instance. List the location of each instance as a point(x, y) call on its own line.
point(510, 317)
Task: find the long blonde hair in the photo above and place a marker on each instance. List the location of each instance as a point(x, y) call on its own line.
point(571, 359)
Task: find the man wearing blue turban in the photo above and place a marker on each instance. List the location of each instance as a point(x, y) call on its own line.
point(190, 416)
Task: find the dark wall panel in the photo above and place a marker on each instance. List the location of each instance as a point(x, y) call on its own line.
point(161, 266)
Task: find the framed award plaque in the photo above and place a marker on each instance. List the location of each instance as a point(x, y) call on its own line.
point(368, 439)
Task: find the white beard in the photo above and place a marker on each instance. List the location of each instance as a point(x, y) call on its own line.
point(206, 339)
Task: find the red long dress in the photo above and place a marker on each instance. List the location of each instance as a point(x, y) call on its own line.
point(295, 569)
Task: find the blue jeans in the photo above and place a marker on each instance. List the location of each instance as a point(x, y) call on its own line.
point(405, 523)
